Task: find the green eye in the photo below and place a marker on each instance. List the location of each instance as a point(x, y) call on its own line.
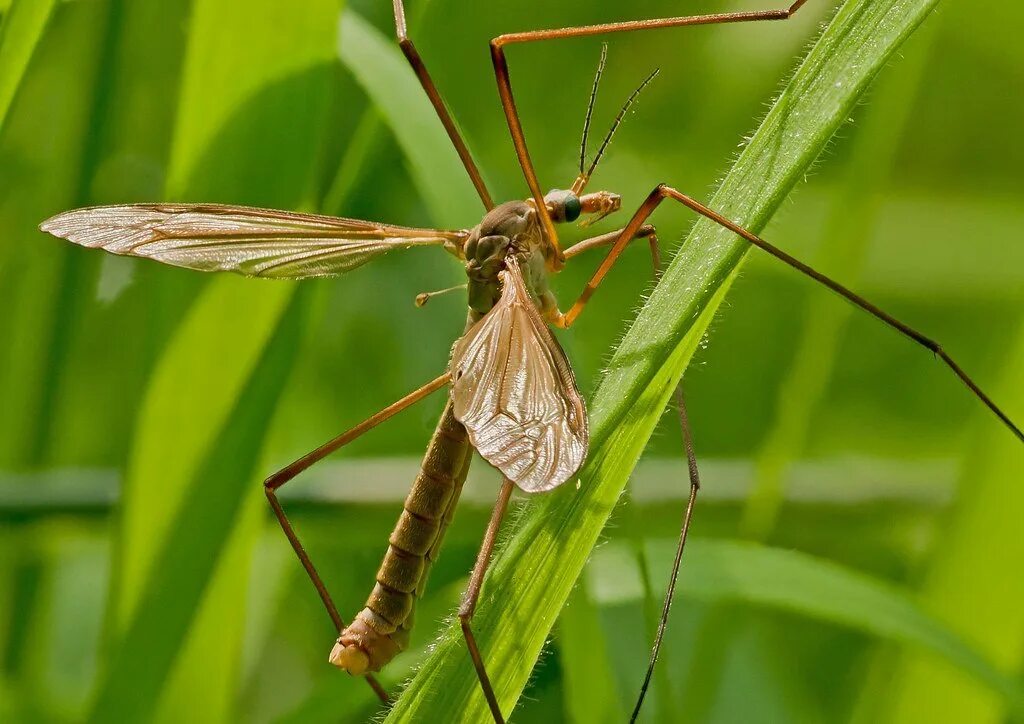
point(572, 207)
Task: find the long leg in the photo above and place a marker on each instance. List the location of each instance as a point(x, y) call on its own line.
point(508, 102)
point(662, 192)
point(691, 462)
point(644, 232)
point(632, 231)
point(278, 479)
point(435, 100)
point(476, 580)
point(694, 474)
point(647, 231)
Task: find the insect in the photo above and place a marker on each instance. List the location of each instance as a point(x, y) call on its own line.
point(512, 394)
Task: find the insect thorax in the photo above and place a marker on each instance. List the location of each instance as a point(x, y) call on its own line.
point(509, 231)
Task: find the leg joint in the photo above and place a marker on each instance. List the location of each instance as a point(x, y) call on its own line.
point(660, 192)
point(498, 57)
point(791, 10)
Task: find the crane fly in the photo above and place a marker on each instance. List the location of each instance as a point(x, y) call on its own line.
point(512, 394)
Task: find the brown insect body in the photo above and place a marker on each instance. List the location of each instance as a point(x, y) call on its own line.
point(513, 396)
point(506, 260)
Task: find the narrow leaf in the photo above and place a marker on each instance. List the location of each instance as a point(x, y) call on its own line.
point(22, 27)
point(733, 571)
point(236, 87)
point(385, 76)
point(591, 694)
point(168, 604)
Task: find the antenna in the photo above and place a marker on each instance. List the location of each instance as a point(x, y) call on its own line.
point(590, 106)
point(618, 120)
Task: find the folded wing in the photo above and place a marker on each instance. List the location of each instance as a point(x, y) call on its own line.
point(241, 239)
point(514, 391)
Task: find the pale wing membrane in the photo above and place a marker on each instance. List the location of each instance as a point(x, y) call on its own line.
point(514, 391)
point(250, 241)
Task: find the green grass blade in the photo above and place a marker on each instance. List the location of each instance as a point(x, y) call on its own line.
point(42, 157)
point(534, 573)
point(734, 571)
point(252, 103)
point(22, 28)
point(360, 152)
point(166, 608)
point(385, 76)
point(43, 170)
point(591, 693)
point(236, 87)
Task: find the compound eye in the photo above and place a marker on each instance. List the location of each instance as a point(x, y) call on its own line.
point(573, 207)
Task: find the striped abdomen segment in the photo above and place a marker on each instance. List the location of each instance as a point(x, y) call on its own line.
point(381, 629)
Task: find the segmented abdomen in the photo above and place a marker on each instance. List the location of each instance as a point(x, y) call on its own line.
point(381, 629)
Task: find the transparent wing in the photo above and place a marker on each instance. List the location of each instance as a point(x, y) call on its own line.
point(514, 391)
point(250, 241)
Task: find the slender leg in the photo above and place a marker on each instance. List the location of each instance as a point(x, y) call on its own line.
point(282, 476)
point(633, 230)
point(648, 232)
point(508, 102)
point(691, 462)
point(435, 100)
point(476, 580)
point(666, 605)
point(644, 232)
point(663, 192)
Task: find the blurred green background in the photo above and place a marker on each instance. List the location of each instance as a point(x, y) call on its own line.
point(141, 577)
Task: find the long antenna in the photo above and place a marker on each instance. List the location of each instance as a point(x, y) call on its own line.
point(590, 106)
point(618, 120)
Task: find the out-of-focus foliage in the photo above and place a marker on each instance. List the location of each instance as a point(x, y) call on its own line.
point(141, 404)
